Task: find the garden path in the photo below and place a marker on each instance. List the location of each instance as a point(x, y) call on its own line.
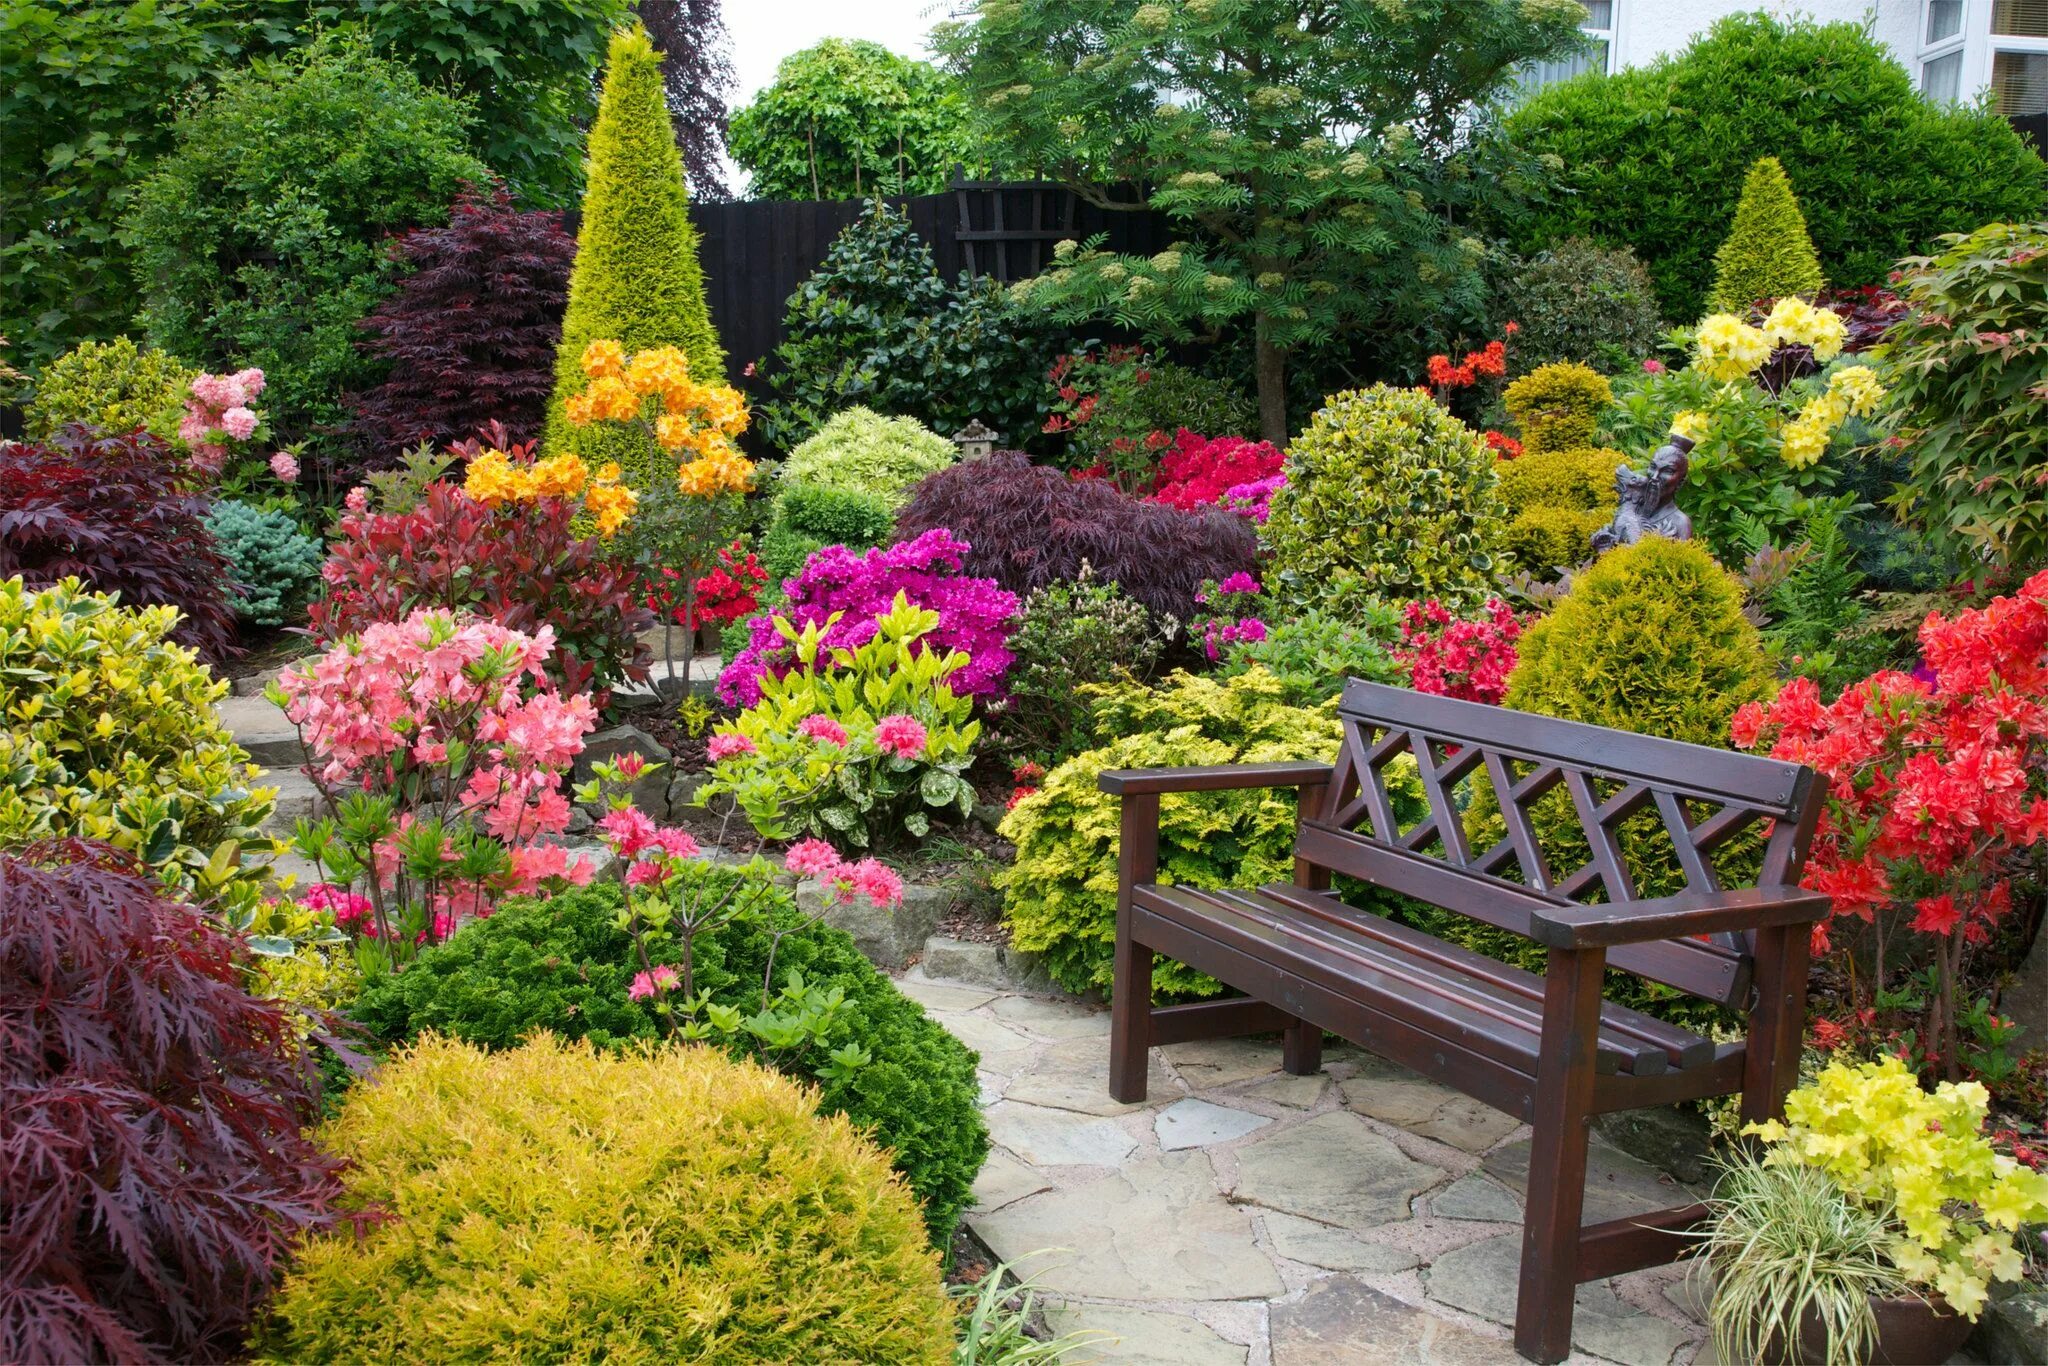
point(1249, 1218)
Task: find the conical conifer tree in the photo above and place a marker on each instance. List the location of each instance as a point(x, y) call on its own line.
point(636, 279)
point(1768, 254)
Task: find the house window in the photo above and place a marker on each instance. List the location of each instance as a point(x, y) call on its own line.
point(1595, 55)
point(1941, 79)
point(2019, 82)
point(1944, 20)
point(2019, 18)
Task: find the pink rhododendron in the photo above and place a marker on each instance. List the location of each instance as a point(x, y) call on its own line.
point(974, 614)
point(728, 745)
point(646, 984)
point(218, 412)
point(811, 858)
point(1198, 471)
point(868, 878)
point(285, 466)
point(627, 831)
point(820, 727)
point(1456, 658)
point(902, 736)
point(240, 423)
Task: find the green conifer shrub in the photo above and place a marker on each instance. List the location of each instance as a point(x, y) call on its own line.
point(1768, 254)
point(559, 1202)
point(809, 517)
point(1560, 490)
point(1584, 302)
point(1388, 488)
point(1557, 406)
point(860, 451)
point(636, 280)
point(275, 565)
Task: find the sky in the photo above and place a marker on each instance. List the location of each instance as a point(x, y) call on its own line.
point(766, 31)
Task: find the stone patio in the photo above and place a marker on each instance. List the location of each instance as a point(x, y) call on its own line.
point(1243, 1217)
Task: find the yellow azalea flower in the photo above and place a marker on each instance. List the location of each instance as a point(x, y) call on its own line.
point(1795, 322)
point(493, 479)
point(612, 399)
point(1691, 424)
point(611, 505)
point(1856, 388)
point(1727, 348)
point(559, 476)
point(658, 370)
point(603, 359)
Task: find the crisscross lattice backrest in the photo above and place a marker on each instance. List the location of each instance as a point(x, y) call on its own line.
point(1521, 811)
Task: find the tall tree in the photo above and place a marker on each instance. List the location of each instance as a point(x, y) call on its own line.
point(1320, 153)
point(697, 77)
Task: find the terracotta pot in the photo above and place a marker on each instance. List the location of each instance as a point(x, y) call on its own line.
point(1910, 1332)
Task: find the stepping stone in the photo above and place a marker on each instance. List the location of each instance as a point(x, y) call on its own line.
point(1218, 1062)
point(1342, 1321)
point(1056, 1138)
point(1004, 1181)
point(1397, 1096)
point(1483, 1278)
point(1197, 1124)
point(1143, 1337)
point(1617, 1185)
point(1052, 1019)
point(1297, 1093)
point(297, 799)
point(941, 996)
point(1074, 1075)
point(1306, 1240)
point(989, 1088)
point(984, 965)
point(1157, 1230)
point(997, 1043)
point(261, 729)
point(1332, 1168)
point(1474, 1197)
point(888, 936)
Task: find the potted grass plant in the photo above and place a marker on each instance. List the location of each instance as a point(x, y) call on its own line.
point(1868, 1226)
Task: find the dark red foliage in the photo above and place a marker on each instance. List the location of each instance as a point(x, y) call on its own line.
point(470, 334)
point(697, 80)
point(1868, 309)
point(153, 1169)
point(115, 511)
point(522, 565)
point(1031, 525)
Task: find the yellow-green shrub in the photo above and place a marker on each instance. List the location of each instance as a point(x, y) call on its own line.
point(1557, 499)
point(562, 1203)
point(1557, 406)
point(1386, 486)
point(111, 734)
point(860, 451)
point(115, 386)
point(1769, 253)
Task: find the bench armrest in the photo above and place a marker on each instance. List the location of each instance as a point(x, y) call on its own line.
point(1131, 782)
point(1675, 917)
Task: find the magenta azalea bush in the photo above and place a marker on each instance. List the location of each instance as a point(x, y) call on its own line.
point(860, 587)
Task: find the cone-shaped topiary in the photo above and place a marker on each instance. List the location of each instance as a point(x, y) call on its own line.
point(1768, 254)
point(1650, 639)
point(636, 280)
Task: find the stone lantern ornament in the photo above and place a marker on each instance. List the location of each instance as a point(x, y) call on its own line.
point(1649, 500)
point(976, 442)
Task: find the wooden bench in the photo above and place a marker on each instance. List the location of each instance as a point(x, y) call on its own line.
point(1548, 1048)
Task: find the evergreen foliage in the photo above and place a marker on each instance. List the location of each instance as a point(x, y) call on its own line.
point(1768, 254)
point(1560, 490)
point(859, 451)
point(636, 280)
point(112, 387)
point(562, 1203)
point(809, 517)
point(274, 565)
point(1578, 301)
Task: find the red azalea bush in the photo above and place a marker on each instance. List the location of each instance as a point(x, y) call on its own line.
point(470, 332)
point(154, 1168)
point(1030, 525)
point(1452, 657)
point(115, 511)
point(522, 565)
point(1196, 471)
point(1936, 791)
point(726, 594)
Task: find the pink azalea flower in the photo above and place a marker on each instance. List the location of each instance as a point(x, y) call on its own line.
point(240, 423)
point(820, 727)
point(1653, 366)
point(676, 842)
point(646, 872)
point(285, 466)
point(728, 745)
point(357, 499)
point(874, 880)
point(812, 858)
point(627, 830)
point(902, 736)
point(646, 984)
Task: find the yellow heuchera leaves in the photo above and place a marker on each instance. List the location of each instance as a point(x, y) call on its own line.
point(1885, 1141)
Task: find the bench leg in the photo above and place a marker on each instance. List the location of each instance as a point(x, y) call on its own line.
point(1777, 1026)
point(1301, 1048)
point(1130, 1021)
point(1557, 1157)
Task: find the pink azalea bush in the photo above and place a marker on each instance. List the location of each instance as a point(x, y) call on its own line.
point(218, 413)
point(1229, 620)
point(1200, 471)
point(1452, 657)
point(974, 614)
point(441, 745)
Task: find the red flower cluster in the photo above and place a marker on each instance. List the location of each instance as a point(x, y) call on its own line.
point(1024, 780)
point(1503, 446)
point(1935, 788)
point(727, 593)
point(1198, 470)
point(1489, 363)
point(1455, 658)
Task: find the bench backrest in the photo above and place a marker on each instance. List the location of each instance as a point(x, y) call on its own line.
point(1691, 801)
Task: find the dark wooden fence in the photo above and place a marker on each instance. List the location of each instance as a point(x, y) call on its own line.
point(756, 252)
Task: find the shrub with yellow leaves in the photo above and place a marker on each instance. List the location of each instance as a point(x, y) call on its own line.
point(1955, 1200)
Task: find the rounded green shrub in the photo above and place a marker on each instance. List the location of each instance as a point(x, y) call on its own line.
point(1579, 301)
point(1060, 895)
point(1655, 157)
point(559, 1202)
point(1070, 633)
point(1386, 486)
point(1768, 254)
point(1650, 639)
point(564, 965)
point(859, 451)
point(1557, 406)
point(809, 517)
point(636, 280)
point(1558, 500)
point(275, 564)
point(111, 734)
point(114, 386)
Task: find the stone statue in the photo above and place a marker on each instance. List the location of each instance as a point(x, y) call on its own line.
point(1648, 500)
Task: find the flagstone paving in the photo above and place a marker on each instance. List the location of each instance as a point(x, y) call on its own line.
point(1243, 1217)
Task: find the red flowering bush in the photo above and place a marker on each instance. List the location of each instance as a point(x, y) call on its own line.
point(521, 564)
point(1197, 471)
point(1452, 657)
point(1936, 790)
point(1118, 407)
point(114, 510)
point(728, 593)
point(154, 1167)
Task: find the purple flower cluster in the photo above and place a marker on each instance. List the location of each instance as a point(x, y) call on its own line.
point(974, 614)
point(1254, 500)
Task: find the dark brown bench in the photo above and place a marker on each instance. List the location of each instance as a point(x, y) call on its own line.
point(1548, 1049)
